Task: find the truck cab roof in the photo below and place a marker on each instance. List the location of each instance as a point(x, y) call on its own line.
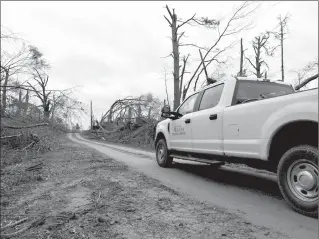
point(261, 79)
point(243, 79)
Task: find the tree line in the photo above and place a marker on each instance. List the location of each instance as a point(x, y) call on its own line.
point(25, 88)
point(242, 19)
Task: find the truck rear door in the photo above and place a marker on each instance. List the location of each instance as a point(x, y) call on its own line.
point(244, 118)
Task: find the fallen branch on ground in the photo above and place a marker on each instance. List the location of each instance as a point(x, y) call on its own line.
point(35, 167)
point(35, 223)
point(98, 197)
point(97, 201)
point(11, 136)
point(24, 127)
point(30, 145)
point(13, 224)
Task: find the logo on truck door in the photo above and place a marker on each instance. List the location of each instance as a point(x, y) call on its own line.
point(178, 130)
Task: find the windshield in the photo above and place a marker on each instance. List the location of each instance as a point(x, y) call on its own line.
point(249, 90)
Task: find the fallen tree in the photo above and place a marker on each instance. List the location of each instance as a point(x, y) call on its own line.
point(25, 127)
point(306, 81)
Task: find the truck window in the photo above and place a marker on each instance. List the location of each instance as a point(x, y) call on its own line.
point(211, 97)
point(188, 105)
point(248, 90)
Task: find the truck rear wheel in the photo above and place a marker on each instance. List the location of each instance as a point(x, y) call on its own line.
point(298, 179)
point(162, 157)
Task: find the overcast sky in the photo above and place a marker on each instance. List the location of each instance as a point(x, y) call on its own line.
point(116, 49)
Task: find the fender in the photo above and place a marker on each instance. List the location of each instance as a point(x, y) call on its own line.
point(303, 111)
point(162, 127)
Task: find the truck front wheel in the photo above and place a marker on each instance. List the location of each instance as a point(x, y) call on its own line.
point(162, 157)
point(298, 179)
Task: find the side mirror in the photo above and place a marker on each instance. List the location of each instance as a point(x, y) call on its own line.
point(166, 109)
point(166, 113)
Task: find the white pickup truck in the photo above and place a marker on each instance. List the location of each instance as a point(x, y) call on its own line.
point(259, 123)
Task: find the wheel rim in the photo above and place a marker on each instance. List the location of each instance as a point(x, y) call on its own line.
point(161, 154)
point(302, 179)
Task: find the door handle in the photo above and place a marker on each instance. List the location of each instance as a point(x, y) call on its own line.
point(187, 121)
point(213, 117)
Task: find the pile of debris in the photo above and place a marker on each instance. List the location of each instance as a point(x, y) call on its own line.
point(137, 133)
point(21, 140)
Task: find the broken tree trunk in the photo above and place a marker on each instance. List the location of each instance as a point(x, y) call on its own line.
point(208, 80)
point(176, 59)
point(258, 63)
point(241, 57)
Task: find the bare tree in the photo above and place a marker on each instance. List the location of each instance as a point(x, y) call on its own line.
point(7, 34)
point(37, 60)
point(12, 64)
point(176, 37)
point(204, 64)
point(242, 71)
point(185, 59)
point(42, 93)
point(259, 44)
point(21, 62)
point(66, 106)
point(176, 24)
point(165, 81)
point(55, 103)
point(238, 22)
point(282, 31)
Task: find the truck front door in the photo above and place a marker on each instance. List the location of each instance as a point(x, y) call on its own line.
point(180, 129)
point(206, 123)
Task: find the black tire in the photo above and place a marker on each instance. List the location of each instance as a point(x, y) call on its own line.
point(297, 163)
point(163, 159)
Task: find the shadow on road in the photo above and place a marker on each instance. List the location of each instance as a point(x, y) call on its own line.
point(265, 184)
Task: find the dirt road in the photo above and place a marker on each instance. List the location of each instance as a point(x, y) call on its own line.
point(76, 192)
point(255, 197)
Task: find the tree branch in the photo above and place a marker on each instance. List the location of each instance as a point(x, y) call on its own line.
point(194, 45)
point(180, 36)
point(251, 63)
point(185, 22)
point(182, 75)
point(170, 24)
point(224, 33)
point(169, 12)
point(37, 92)
point(306, 81)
